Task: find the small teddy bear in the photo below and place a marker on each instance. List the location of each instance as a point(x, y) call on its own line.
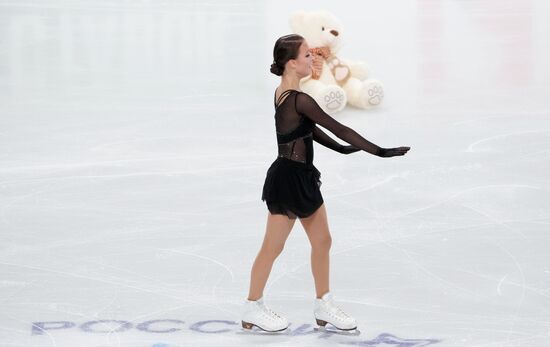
point(333, 82)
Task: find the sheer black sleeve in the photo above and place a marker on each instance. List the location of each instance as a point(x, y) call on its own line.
point(308, 107)
point(327, 141)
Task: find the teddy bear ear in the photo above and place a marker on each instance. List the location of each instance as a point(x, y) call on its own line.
point(296, 20)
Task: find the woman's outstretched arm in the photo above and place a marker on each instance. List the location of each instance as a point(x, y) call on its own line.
point(327, 141)
point(307, 106)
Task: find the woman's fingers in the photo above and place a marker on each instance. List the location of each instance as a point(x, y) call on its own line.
point(401, 150)
point(392, 152)
point(404, 149)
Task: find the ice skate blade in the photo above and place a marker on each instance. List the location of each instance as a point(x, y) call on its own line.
point(322, 323)
point(350, 332)
point(249, 327)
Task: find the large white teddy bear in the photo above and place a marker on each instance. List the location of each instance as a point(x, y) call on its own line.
point(333, 81)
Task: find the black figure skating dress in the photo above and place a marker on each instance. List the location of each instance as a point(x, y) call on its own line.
point(292, 183)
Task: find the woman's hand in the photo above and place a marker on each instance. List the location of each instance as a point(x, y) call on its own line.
point(392, 152)
point(349, 149)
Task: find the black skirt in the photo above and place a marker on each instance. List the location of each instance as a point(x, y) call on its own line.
point(292, 188)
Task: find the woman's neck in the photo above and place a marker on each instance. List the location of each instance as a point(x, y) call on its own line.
point(289, 82)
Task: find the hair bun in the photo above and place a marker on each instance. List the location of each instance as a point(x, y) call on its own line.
point(276, 69)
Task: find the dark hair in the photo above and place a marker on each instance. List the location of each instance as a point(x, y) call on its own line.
point(286, 47)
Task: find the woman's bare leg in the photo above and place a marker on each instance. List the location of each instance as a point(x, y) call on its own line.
point(316, 227)
point(277, 230)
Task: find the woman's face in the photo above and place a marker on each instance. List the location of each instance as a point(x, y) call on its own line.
point(303, 61)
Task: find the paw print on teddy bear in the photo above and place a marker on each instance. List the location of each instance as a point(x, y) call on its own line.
point(333, 82)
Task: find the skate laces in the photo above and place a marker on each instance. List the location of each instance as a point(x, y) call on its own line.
point(340, 311)
point(269, 311)
point(337, 309)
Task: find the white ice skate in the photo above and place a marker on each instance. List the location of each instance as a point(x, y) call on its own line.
point(256, 313)
point(326, 311)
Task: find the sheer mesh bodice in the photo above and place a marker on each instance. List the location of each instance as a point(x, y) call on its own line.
point(294, 131)
point(296, 114)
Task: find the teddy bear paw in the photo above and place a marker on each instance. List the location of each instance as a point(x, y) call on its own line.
point(334, 99)
point(373, 93)
point(376, 95)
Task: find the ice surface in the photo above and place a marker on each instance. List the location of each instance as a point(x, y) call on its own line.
point(135, 137)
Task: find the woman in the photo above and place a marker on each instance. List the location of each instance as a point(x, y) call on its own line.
point(291, 188)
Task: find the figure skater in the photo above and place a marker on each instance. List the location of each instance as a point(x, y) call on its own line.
point(292, 188)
